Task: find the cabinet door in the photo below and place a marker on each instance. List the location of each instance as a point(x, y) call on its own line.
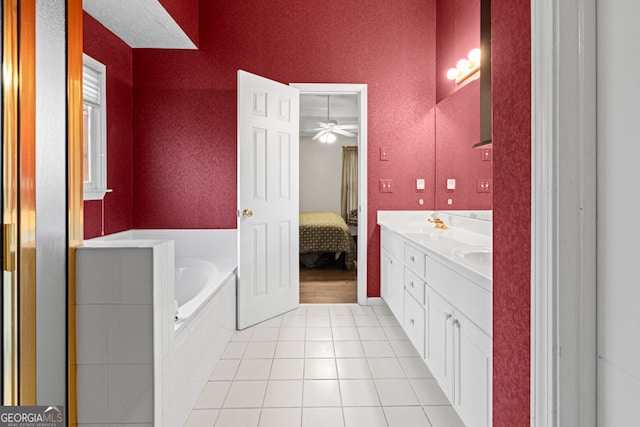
point(392, 284)
point(473, 373)
point(414, 322)
point(439, 344)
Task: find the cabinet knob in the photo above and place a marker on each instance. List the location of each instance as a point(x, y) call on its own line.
point(412, 285)
point(456, 323)
point(449, 316)
point(413, 322)
point(390, 261)
point(412, 259)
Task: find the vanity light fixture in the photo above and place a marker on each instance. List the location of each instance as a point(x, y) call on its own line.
point(465, 67)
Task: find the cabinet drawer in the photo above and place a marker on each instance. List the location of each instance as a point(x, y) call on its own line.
point(414, 321)
point(414, 259)
point(392, 243)
point(414, 285)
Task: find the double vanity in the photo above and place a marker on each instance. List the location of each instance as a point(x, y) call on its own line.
point(436, 277)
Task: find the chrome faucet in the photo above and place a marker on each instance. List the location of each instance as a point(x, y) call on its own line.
point(438, 223)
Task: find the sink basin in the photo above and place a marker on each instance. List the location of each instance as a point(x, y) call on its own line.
point(478, 255)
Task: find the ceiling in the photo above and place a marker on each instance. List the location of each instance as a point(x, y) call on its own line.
point(313, 109)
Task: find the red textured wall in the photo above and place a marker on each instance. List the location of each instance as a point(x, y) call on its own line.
point(511, 62)
point(457, 32)
point(457, 129)
point(104, 46)
point(185, 13)
point(185, 102)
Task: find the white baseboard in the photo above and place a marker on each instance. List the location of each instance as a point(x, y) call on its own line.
point(375, 301)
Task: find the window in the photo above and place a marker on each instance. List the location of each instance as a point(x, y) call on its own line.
point(94, 129)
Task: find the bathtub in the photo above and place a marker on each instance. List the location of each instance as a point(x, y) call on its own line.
point(128, 337)
point(196, 281)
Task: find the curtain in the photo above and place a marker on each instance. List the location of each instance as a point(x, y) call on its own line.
point(349, 192)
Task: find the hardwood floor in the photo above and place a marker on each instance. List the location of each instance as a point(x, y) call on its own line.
point(328, 284)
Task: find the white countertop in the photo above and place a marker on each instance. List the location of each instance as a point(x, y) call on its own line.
point(466, 246)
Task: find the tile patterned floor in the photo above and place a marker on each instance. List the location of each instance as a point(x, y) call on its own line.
point(327, 366)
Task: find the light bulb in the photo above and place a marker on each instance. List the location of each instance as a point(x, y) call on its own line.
point(474, 56)
point(462, 65)
point(452, 73)
point(328, 138)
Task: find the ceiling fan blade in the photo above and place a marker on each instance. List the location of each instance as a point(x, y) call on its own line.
point(325, 125)
point(319, 134)
point(343, 132)
point(348, 126)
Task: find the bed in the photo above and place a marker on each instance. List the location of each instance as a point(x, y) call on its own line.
point(326, 232)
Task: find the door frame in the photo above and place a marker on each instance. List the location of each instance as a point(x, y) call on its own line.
point(563, 212)
point(360, 90)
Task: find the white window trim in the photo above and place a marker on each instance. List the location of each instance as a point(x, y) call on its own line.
point(97, 188)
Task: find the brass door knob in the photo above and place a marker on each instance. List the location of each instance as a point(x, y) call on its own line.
point(247, 213)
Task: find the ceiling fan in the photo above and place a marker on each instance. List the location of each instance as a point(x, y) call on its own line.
point(327, 130)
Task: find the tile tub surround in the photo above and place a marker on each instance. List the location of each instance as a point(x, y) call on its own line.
point(323, 365)
point(133, 365)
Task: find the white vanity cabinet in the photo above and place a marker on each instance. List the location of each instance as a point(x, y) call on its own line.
point(447, 317)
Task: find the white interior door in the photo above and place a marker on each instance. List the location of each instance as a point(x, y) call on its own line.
point(268, 122)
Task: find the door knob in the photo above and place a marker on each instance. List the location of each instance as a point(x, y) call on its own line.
point(247, 213)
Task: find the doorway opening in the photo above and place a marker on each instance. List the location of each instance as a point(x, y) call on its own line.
point(333, 136)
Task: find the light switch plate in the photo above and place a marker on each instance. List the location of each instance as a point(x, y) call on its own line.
point(384, 154)
point(386, 186)
point(484, 186)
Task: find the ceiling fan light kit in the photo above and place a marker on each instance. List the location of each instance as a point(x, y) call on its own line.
point(328, 130)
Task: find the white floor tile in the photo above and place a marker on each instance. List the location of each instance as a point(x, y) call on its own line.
point(317, 309)
point(345, 333)
point(294, 321)
point(265, 334)
point(359, 393)
point(322, 417)
point(361, 309)
point(283, 394)
point(225, 370)
point(396, 392)
point(318, 321)
point(414, 367)
point(393, 333)
point(340, 309)
point(404, 349)
point(348, 348)
point(409, 416)
point(385, 367)
point(271, 323)
point(381, 309)
point(366, 320)
point(323, 393)
point(213, 395)
point(244, 335)
point(364, 417)
point(300, 311)
point(353, 368)
point(287, 369)
point(289, 349)
point(443, 416)
point(245, 394)
point(371, 333)
point(378, 349)
point(318, 334)
point(292, 334)
point(429, 392)
point(388, 320)
point(238, 418)
point(320, 369)
point(319, 349)
point(260, 350)
point(254, 369)
point(342, 320)
point(280, 417)
point(202, 418)
point(234, 350)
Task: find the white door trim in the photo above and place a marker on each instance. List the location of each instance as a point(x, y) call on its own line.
point(361, 91)
point(563, 208)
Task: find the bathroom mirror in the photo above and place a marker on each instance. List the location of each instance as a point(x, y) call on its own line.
point(464, 174)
